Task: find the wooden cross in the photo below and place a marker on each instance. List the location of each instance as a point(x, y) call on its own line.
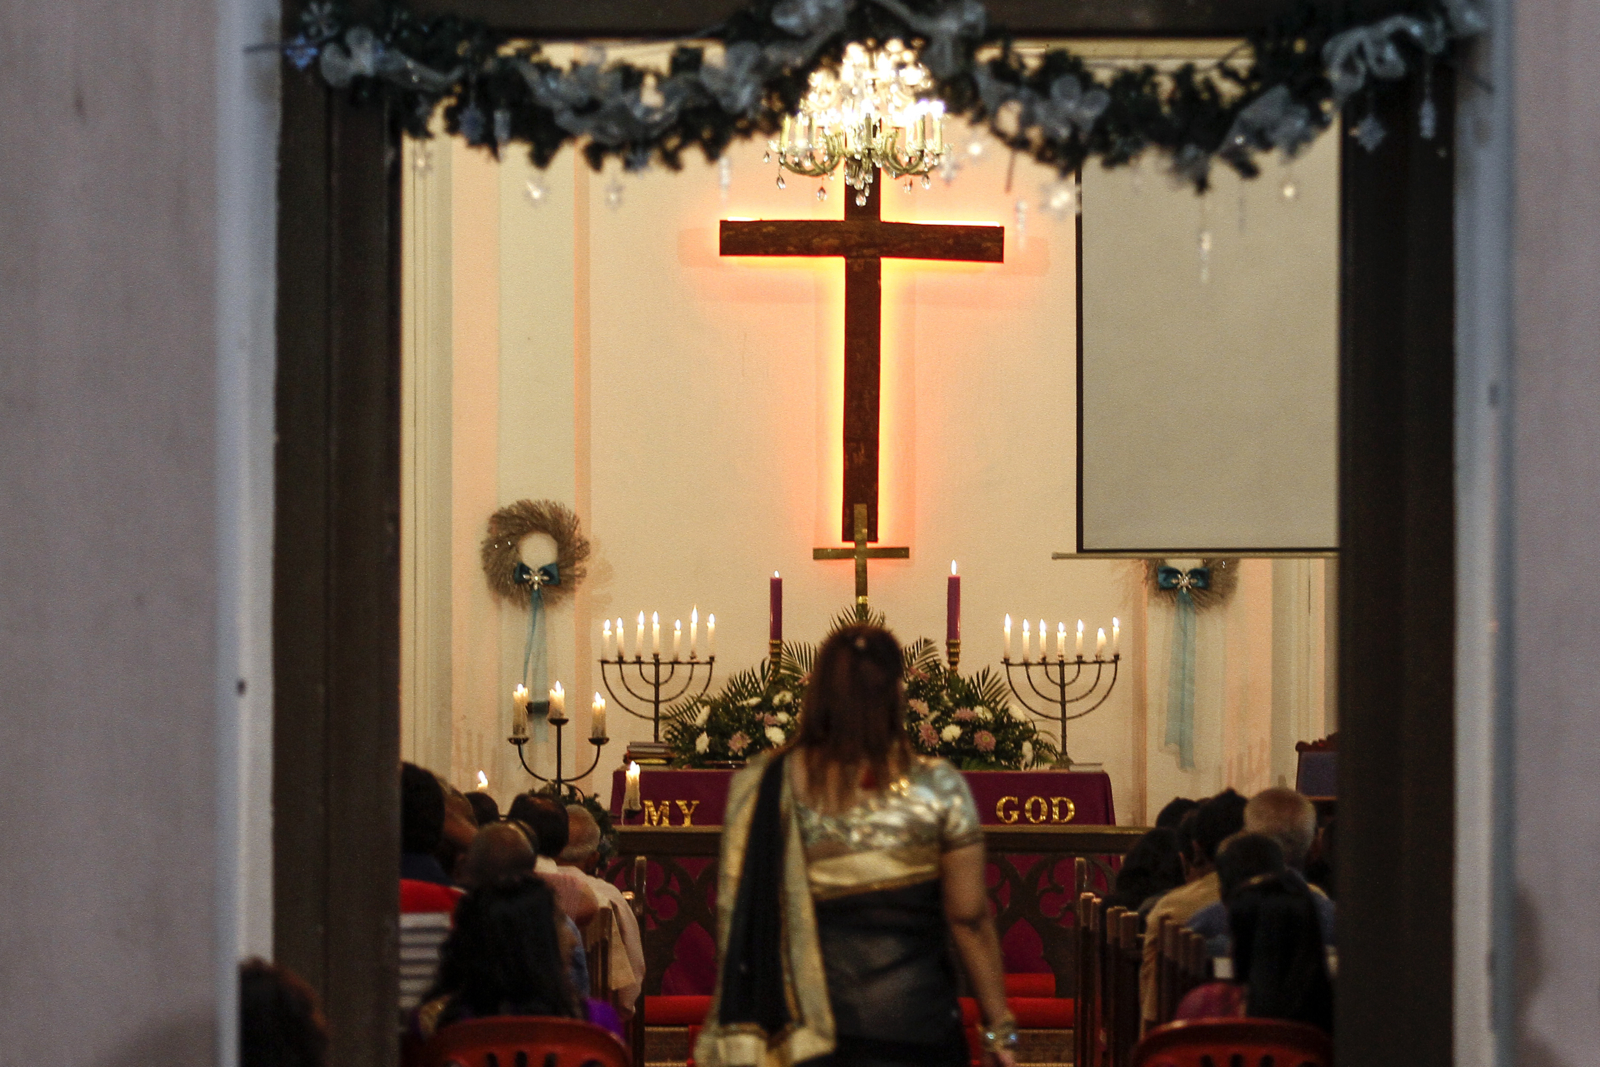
point(861, 553)
point(865, 241)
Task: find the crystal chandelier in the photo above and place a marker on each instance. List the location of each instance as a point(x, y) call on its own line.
point(866, 117)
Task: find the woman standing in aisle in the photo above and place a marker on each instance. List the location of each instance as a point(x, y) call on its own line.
point(849, 866)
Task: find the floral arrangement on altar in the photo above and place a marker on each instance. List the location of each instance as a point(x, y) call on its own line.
point(967, 720)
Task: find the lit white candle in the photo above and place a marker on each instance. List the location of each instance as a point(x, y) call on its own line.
point(711, 636)
point(1008, 637)
point(519, 711)
point(694, 630)
point(630, 795)
point(638, 637)
point(1044, 653)
point(1026, 641)
point(558, 703)
point(1099, 642)
point(1116, 637)
point(1061, 641)
point(597, 725)
point(1078, 648)
point(483, 782)
point(655, 633)
point(605, 640)
point(677, 637)
point(619, 637)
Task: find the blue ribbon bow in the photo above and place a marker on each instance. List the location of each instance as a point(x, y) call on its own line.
point(533, 653)
point(1180, 679)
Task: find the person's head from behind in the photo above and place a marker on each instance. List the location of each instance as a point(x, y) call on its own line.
point(1215, 820)
point(1278, 953)
point(1245, 856)
point(483, 807)
point(503, 956)
point(1173, 813)
point(854, 715)
point(460, 826)
point(421, 810)
point(1286, 817)
point(583, 838)
point(547, 817)
point(1151, 865)
point(497, 853)
point(279, 1023)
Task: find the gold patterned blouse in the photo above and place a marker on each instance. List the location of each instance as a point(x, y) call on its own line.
point(891, 839)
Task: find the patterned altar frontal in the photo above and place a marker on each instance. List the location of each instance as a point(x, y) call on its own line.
point(1004, 798)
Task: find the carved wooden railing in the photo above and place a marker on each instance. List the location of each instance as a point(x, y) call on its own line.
point(1031, 881)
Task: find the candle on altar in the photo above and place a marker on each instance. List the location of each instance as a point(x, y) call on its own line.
point(655, 633)
point(1027, 649)
point(1008, 637)
point(775, 609)
point(1061, 641)
point(711, 636)
point(952, 606)
point(1116, 637)
point(638, 637)
point(605, 639)
point(1078, 649)
point(558, 703)
point(1099, 642)
point(1043, 653)
point(519, 711)
point(597, 725)
point(483, 783)
point(677, 637)
point(619, 637)
point(694, 629)
point(630, 795)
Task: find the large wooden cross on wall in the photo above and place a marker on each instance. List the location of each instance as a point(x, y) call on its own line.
point(864, 240)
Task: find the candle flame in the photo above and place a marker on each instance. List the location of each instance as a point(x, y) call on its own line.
point(598, 699)
point(606, 629)
point(633, 770)
point(775, 574)
point(1080, 626)
point(483, 781)
point(677, 626)
point(952, 566)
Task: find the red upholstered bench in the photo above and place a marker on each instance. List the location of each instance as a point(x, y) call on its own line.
point(1031, 985)
point(676, 1011)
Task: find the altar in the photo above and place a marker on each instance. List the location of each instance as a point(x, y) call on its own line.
point(1004, 798)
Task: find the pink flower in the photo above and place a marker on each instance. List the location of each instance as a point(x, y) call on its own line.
point(918, 707)
point(928, 735)
point(965, 714)
point(984, 741)
point(737, 743)
point(769, 720)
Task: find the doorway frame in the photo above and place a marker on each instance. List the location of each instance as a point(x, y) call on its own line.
point(336, 579)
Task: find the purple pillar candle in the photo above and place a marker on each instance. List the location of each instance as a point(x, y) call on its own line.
point(775, 611)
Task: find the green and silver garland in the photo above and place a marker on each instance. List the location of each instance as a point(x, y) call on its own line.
point(1276, 93)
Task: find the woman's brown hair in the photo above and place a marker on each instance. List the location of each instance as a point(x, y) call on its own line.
point(854, 714)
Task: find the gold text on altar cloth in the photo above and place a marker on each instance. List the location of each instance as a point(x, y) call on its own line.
point(1034, 809)
point(661, 814)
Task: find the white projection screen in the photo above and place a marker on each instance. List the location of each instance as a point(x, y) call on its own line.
point(1208, 381)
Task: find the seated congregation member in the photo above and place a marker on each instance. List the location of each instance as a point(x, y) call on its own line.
point(546, 821)
point(1280, 963)
point(503, 852)
point(484, 807)
point(421, 825)
point(627, 950)
point(279, 1022)
point(1173, 813)
point(1290, 820)
point(1152, 867)
point(1242, 857)
point(1320, 864)
point(460, 825)
point(504, 958)
point(1215, 820)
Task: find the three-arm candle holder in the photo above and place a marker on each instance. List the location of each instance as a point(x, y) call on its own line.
point(1061, 677)
point(659, 684)
point(564, 785)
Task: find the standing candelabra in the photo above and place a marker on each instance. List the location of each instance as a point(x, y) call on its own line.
point(564, 785)
point(660, 684)
point(1061, 676)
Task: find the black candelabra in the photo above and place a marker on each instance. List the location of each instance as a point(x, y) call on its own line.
point(563, 784)
point(660, 684)
point(1061, 678)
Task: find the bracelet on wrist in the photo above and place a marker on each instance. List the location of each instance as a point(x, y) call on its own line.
point(1001, 1035)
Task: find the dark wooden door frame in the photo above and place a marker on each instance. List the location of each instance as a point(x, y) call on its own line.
point(336, 573)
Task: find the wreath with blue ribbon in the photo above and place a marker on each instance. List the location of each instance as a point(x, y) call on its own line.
point(1193, 590)
point(514, 580)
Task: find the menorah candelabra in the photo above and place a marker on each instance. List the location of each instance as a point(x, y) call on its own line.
point(562, 783)
point(661, 685)
point(1062, 675)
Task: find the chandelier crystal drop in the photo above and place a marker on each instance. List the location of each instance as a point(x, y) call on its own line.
point(867, 117)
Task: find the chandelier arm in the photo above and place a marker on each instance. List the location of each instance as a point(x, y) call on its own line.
point(622, 676)
point(1020, 698)
point(1114, 664)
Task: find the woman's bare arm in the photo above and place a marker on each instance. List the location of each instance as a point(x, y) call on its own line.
point(966, 908)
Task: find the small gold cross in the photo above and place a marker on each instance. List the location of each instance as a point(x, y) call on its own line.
point(861, 553)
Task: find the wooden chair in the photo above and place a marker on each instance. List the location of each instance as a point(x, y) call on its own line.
point(1235, 1042)
point(1110, 945)
point(1168, 935)
point(1086, 970)
point(524, 1041)
point(597, 947)
point(1125, 974)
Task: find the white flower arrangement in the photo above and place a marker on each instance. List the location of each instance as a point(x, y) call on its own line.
point(950, 733)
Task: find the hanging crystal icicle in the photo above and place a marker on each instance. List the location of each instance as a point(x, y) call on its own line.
point(1428, 113)
point(1204, 242)
point(534, 191)
point(614, 194)
point(724, 176)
